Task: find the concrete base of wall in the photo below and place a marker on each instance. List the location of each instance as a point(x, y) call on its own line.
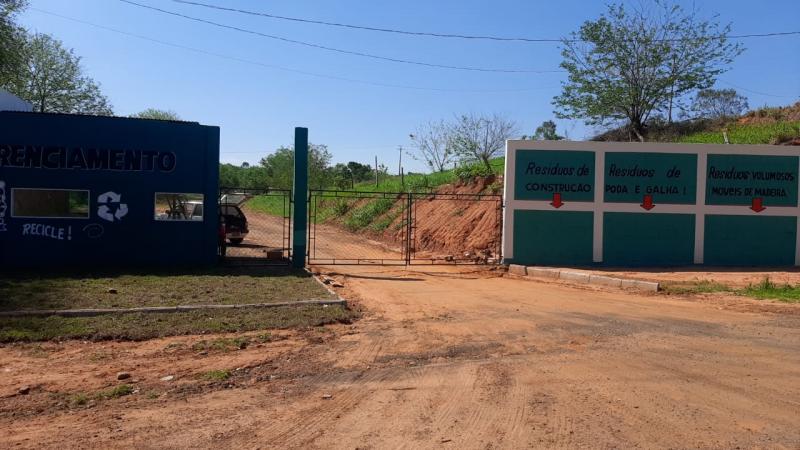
point(583, 278)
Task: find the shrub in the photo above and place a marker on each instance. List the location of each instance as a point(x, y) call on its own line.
point(471, 171)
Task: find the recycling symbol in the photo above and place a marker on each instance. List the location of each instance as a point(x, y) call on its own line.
point(110, 208)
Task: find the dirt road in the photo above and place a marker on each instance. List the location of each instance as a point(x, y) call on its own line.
point(441, 359)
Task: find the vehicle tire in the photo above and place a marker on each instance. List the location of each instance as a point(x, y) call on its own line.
point(236, 241)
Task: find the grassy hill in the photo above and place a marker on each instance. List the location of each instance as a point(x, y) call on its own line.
point(774, 126)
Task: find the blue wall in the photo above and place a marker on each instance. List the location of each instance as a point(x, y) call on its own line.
point(189, 164)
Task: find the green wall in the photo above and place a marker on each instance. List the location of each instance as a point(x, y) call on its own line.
point(648, 239)
point(553, 237)
point(752, 192)
point(542, 173)
point(737, 179)
point(669, 178)
point(750, 240)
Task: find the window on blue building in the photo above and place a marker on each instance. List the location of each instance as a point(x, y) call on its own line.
point(49, 203)
point(178, 207)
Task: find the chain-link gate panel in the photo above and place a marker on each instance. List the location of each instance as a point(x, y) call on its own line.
point(257, 225)
point(400, 228)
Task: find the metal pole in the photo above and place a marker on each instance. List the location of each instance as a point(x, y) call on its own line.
point(300, 192)
point(400, 162)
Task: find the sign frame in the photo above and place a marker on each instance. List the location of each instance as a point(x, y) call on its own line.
point(599, 206)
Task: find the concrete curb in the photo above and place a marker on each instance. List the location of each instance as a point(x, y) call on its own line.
point(586, 278)
point(90, 312)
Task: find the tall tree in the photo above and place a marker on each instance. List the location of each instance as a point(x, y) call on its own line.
point(718, 104)
point(632, 65)
point(53, 80)
point(546, 132)
point(12, 43)
point(157, 114)
point(433, 146)
point(479, 137)
point(280, 167)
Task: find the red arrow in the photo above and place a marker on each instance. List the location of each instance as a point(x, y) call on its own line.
point(647, 203)
point(758, 205)
point(557, 203)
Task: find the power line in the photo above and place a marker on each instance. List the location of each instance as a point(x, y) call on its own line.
point(448, 35)
point(332, 77)
point(285, 69)
point(338, 50)
point(757, 92)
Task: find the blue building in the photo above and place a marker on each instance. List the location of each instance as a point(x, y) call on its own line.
point(106, 191)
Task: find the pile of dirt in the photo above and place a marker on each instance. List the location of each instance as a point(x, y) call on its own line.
point(453, 227)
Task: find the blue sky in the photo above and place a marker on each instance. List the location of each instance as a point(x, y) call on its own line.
point(258, 105)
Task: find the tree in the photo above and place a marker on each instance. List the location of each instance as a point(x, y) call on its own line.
point(433, 146)
point(280, 167)
point(246, 177)
point(230, 176)
point(545, 132)
point(361, 172)
point(718, 104)
point(53, 80)
point(157, 114)
point(12, 44)
point(480, 138)
point(342, 176)
point(632, 66)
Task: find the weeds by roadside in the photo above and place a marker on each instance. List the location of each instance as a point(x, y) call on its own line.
point(766, 289)
point(698, 287)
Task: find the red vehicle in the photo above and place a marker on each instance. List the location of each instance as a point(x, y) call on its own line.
point(234, 219)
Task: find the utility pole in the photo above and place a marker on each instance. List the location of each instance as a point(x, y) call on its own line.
point(376, 170)
point(400, 163)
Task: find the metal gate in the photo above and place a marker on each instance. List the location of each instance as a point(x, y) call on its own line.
point(257, 225)
point(402, 228)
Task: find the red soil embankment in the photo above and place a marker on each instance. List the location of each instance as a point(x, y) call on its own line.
point(459, 228)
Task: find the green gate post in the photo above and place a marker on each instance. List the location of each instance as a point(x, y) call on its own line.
point(300, 193)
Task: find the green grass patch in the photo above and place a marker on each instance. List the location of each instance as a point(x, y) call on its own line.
point(767, 289)
point(153, 325)
point(367, 213)
point(79, 399)
point(222, 344)
point(82, 399)
point(26, 291)
point(382, 223)
point(216, 375)
point(116, 392)
point(332, 208)
point(769, 133)
point(275, 205)
point(694, 287)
